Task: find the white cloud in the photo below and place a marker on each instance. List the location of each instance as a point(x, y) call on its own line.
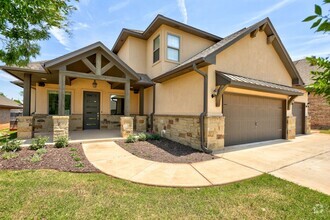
point(183, 10)
point(269, 10)
point(60, 35)
point(118, 6)
point(80, 26)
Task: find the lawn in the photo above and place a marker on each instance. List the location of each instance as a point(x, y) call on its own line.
point(48, 194)
point(6, 133)
point(325, 131)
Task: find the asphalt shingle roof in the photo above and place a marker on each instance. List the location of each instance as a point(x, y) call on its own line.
point(304, 68)
point(8, 103)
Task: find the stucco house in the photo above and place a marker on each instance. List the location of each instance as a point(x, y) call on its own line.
point(319, 109)
point(6, 105)
point(189, 85)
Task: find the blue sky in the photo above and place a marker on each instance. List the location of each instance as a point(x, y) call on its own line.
point(102, 20)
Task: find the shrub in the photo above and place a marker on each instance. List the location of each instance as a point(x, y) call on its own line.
point(36, 158)
point(153, 136)
point(131, 139)
point(13, 145)
point(9, 155)
point(80, 164)
point(38, 143)
point(142, 137)
point(73, 149)
point(41, 151)
point(62, 142)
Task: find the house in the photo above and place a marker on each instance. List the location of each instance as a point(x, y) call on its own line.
point(169, 78)
point(319, 109)
point(6, 106)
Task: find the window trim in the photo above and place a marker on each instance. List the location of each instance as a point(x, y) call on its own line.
point(154, 50)
point(120, 95)
point(174, 48)
point(66, 91)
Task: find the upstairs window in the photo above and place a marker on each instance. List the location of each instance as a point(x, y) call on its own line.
point(53, 103)
point(173, 47)
point(156, 49)
point(117, 105)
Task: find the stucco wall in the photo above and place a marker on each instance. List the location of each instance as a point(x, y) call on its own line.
point(78, 86)
point(4, 118)
point(148, 100)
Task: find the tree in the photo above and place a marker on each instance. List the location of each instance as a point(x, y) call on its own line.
point(2, 94)
point(321, 77)
point(24, 23)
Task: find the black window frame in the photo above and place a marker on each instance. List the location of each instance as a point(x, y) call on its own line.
point(68, 102)
point(156, 50)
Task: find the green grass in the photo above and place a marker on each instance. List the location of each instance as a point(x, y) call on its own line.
point(6, 133)
point(46, 194)
point(325, 131)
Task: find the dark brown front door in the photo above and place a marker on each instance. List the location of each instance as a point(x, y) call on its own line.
point(251, 118)
point(91, 110)
point(298, 110)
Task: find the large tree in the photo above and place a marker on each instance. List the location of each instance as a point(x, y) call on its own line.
point(23, 23)
point(321, 77)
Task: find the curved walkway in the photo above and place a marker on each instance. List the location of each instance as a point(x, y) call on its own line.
point(115, 161)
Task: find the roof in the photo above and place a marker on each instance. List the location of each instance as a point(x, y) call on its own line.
point(245, 82)
point(8, 103)
point(208, 56)
point(154, 25)
point(304, 68)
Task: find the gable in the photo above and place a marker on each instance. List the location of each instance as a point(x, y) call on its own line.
point(254, 58)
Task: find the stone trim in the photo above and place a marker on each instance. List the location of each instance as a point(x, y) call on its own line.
point(141, 123)
point(25, 127)
point(308, 120)
point(215, 132)
point(126, 126)
point(60, 126)
point(290, 127)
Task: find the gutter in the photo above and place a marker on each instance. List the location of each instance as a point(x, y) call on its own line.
point(203, 114)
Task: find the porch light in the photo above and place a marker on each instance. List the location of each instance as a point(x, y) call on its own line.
point(94, 84)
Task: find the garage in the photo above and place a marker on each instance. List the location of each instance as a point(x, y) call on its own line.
point(252, 118)
point(298, 110)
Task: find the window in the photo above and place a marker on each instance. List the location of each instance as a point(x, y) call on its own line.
point(53, 103)
point(156, 49)
point(173, 47)
point(117, 104)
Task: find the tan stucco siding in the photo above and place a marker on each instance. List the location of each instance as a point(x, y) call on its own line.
point(254, 58)
point(180, 96)
point(148, 100)
point(77, 88)
point(123, 53)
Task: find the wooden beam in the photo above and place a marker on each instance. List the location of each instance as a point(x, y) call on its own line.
point(89, 65)
point(27, 95)
point(254, 33)
point(141, 101)
point(92, 76)
point(107, 67)
point(290, 101)
point(127, 98)
point(262, 27)
point(221, 90)
point(270, 39)
point(61, 94)
point(115, 85)
point(98, 63)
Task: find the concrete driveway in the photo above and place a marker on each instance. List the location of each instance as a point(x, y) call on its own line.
point(305, 160)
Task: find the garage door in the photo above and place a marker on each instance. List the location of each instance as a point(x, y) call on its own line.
point(298, 110)
point(251, 119)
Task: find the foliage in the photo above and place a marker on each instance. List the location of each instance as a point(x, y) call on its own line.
point(153, 136)
point(24, 23)
point(7, 135)
point(38, 143)
point(80, 164)
point(9, 155)
point(36, 158)
point(41, 151)
point(131, 139)
point(2, 94)
point(321, 77)
point(325, 131)
point(142, 137)
point(11, 145)
point(62, 142)
point(73, 149)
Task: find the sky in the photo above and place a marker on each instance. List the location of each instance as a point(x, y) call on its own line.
point(102, 20)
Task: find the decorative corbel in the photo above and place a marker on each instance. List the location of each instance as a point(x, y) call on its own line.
point(218, 98)
point(270, 39)
point(290, 101)
point(262, 27)
point(254, 33)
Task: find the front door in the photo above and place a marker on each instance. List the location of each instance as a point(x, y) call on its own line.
point(91, 110)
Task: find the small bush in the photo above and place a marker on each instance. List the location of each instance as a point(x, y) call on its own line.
point(36, 158)
point(9, 155)
point(41, 151)
point(142, 137)
point(62, 142)
point(153, 136)
point(38, 143)
point(80, 164)
point(73, 149)
point(11, 146)
point(76, 158)
point(131, 139)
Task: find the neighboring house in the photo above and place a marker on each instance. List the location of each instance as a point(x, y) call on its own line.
point(6, 105)
point(171, 77)
point(319, 109)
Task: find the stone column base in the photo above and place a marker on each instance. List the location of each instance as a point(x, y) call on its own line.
point(24, 127)
point(215, 132)
point(126, 126)
point(308, 124)
point(290, 127)
point(60, 126)
point(141, 123)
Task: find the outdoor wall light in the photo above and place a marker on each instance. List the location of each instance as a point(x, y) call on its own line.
point(94, 84)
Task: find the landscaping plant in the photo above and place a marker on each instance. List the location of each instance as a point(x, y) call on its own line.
point(142, 137)
point(9, 155)
point(38, 143)
point(131, 139)
point(36, 158)
point(153, 136)
point(11, 146)
point(62, 142)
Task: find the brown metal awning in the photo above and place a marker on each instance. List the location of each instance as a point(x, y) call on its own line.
point(223, 79)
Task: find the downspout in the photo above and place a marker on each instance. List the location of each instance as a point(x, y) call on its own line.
point(203, 114)
point(153, 107)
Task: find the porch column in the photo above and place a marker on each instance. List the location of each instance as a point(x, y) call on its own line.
point(141, 104)
point(61, 94)
point(127, 98)
point(27, 95)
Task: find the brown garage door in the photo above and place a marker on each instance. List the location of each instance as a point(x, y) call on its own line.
point(251, 118)
point(298, 110)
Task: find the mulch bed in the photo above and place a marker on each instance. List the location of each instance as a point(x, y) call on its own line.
point(55, 158)
point(166, 151)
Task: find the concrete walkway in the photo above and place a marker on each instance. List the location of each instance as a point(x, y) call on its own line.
point(304, 160)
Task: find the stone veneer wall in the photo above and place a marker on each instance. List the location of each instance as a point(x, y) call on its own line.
point(24, 127)
point(307, 124)
point(110, 121)
point(290, 127)
point(141, 123)
point(319, 110)
point(42, 123)
point(126, 126)
point(182, 129)
point(215, 132)
point(60, 126)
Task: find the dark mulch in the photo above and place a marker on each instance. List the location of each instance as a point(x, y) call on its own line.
point(165, 150)
point(55, 158)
